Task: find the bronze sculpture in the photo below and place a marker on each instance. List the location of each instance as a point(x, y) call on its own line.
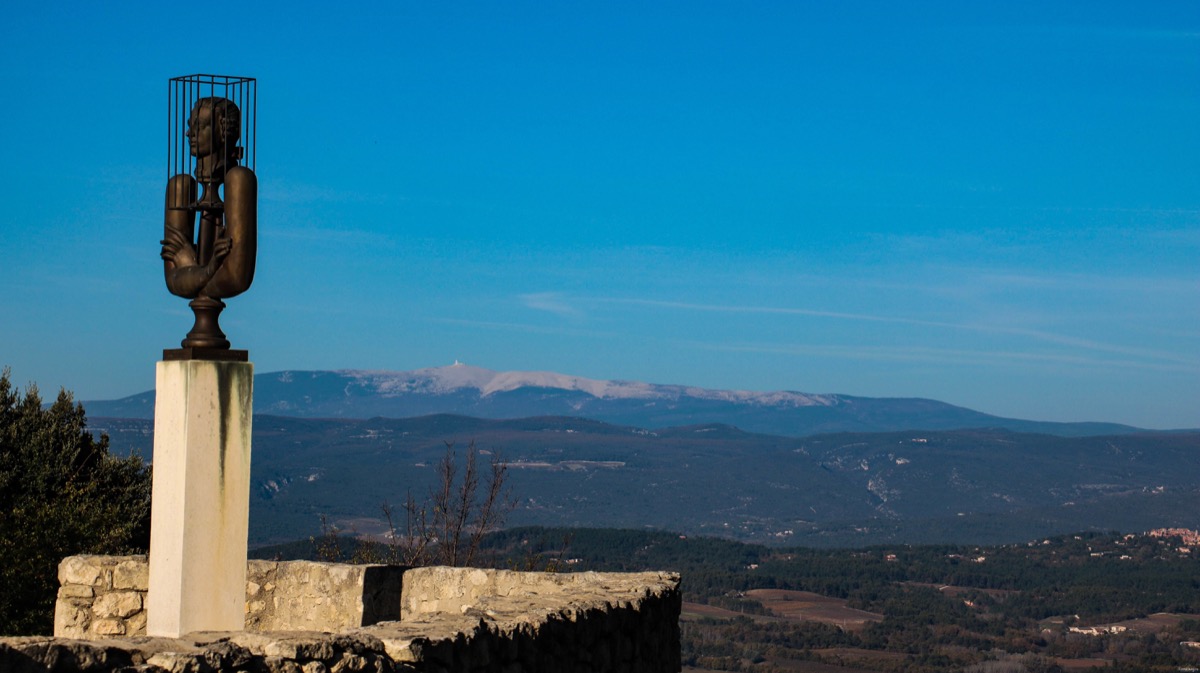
point(216, 262)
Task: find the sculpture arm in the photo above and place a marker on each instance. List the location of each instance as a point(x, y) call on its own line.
point(236, 272)
point(181, 271)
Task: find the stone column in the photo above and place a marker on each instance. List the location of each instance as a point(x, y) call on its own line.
point(201, 497)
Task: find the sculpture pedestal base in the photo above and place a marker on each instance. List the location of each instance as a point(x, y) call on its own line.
point(201, 497)
point(206, 332)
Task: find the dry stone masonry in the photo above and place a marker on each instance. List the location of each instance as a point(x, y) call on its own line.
point(304, 617)
point(101, 596)
point(463, 619)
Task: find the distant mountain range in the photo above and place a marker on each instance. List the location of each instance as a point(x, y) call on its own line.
point(846, 489)
point(780, 466)
point(482, 393)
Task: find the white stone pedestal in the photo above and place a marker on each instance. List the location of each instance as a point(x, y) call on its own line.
point(199, 514)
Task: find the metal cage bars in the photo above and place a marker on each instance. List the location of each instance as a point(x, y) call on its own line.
point(182, 94)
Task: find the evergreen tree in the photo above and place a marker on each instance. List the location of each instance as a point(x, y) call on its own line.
point(61, 494)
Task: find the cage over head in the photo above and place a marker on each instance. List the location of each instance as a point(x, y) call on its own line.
point(211, 127)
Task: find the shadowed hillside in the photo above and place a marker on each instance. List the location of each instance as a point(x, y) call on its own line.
point(841, 489)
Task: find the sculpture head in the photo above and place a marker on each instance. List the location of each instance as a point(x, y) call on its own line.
point(214, 128)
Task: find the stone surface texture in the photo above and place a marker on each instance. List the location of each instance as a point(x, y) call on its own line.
point(467, 619)
point(106, 596)
point(333, 618)
point(307, 596)
point(101, 596)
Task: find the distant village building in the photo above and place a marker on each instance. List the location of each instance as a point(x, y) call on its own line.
point(1189, 537)
point(1098, 630)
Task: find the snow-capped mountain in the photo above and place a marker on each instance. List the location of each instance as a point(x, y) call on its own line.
point(458, 376)
point(483, 393)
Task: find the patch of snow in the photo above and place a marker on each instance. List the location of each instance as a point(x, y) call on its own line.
point(443, 380)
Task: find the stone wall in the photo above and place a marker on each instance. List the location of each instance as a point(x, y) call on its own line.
point(102, 596)
point(233, 652)
point(333, 618)
point(464, 619)
point(307, 596)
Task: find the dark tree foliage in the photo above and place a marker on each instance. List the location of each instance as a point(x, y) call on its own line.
point(61, 493)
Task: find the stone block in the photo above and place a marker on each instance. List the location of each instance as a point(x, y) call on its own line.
point(136, 624)
point(72, 619)
point(179, 662)
point(279, 665)
point(83, 570)
point(300, 646)
point(76, 591)
point(108, 627)
point(350, 663)
point(131, 574)
point(117, 604)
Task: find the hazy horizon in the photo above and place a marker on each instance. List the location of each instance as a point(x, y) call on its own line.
point(624, 387)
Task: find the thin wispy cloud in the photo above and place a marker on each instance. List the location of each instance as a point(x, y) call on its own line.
point(523, 327)
point(1039, 335)
point(1092, 282)
point(943, 356)
point(1089, 344)
point(551, 302)
point(718, 308)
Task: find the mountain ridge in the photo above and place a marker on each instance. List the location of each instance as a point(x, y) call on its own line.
point(458, 375)
point(484, 393)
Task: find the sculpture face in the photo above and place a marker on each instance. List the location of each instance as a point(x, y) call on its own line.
point(200, 130)
point(214, 128)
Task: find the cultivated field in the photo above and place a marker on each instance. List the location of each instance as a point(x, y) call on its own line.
point(1159, 621)
point(700, 610)
point(807, 606)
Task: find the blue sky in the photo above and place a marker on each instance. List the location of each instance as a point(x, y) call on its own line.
point(992, 204)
